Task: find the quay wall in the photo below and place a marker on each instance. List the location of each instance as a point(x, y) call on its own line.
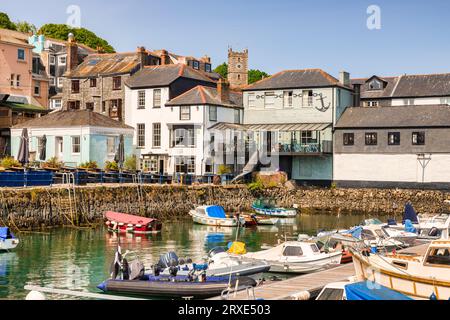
point(33, 208)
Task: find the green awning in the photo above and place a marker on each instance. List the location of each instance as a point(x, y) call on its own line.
point(24, 107)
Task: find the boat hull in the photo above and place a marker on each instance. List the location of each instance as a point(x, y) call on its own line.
point(280, 213)
point(8, 244)
point(167, 288)
point(218, 222)
point(414, 286)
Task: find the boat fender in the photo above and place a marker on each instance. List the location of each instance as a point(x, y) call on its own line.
point(302, 295)
point(35, 295)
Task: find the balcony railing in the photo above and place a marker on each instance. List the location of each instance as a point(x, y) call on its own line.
point(325, 146)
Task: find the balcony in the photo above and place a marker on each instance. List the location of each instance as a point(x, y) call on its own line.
point(294, 148)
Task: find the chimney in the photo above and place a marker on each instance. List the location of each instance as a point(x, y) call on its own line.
point(223, 90)
point(206, 59)
point(344, 78)
point(357, 95)
point(142, 54)
point(165, 59)
point(72, 53)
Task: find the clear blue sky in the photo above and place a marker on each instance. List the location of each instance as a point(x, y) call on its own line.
point(280, 34)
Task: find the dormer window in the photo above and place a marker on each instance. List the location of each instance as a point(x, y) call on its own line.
point(207, 67)
point(196, 64)
point(375, 85)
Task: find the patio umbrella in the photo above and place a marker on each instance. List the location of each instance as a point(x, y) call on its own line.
point(24, 152)
point(42, 151)
point(120, 153)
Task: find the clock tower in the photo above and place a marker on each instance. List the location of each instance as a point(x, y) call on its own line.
point(237, 68)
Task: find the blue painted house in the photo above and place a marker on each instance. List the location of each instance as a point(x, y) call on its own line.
point(74, 137)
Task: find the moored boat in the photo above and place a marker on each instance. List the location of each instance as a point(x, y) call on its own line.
point(421, 276)
point(7, 239)
point(296, 257)
point(215, 216)
point(267, 207)
point(122, 222)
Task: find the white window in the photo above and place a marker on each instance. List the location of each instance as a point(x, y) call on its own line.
point(37, 88)
point(191, 165)
point(62, 60)
point(307, 98)
point(375, 85)
point(18, 80)
point(212, 113)
point(251, 100)
point(52, 60)
point(151, 164)
point(269, 100)
point(237, 116)
point(287, 99)
point(59, 82)
point(57, 103)
point(157, 135)
point(445, 100)
point(157, 98)
point(76, 144)
point(408, 102)
point(53, 81)
point(141, 99)
point(12, 80)
point(185, 113)
point(141, 135)
point(111, 145)
point(372, 103)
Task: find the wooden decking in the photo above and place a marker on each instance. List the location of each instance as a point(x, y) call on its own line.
point(313, 283)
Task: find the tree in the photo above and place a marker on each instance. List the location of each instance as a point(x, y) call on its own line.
point(26, 27)
point(253, 74)
point(5, 23)
point(82, 35)
point(222, 70)
point(256, 75)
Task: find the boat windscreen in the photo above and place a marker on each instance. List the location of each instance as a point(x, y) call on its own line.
point(215, 250)
point(331, 294)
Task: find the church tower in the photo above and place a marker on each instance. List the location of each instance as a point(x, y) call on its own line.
point(237, 68)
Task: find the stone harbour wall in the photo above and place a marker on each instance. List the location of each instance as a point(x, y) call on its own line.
point(34, 208)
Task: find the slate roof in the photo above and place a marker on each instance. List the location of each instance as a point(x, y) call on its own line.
point(405, 86)
point(163, 75)
point(72, 118)
point(307, 78)
point(395, 117)
point(201, 95)
point(14, 37)
point(106, 64)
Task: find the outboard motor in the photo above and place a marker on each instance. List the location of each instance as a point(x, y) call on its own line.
point(167, 260)
point(173, 270)
point(125, 270)
point(434, 232)
point(156, 270)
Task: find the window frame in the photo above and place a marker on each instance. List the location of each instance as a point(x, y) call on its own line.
point(370, 138)
point(272, 104)
point(93, 83)
point(290, 99)
point(74, 144)
point(61, 59)
point(183, 114)
point(348, 139)
point(117, 83)
point(77, 86)
point(141, 99)
point(211, 113)
point(253, 100)
point(110, 150)
point(140, 135)
point(394, 142)
point(20, 54)
point(156, 98)
point(237, 116)
point(36, 85)
point(156, 135)
point(308, 101)
point(417, 142)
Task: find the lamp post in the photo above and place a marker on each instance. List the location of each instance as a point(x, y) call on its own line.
point(424, 160)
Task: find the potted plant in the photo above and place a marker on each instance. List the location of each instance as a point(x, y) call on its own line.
point(111, 166)
point(10, 163)
point(223, 170)
point(53, 164)
point(89, 166)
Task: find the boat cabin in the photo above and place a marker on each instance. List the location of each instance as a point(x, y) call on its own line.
point(298, 249)
point(212, 212)
point(436, 227)
point(438, 254)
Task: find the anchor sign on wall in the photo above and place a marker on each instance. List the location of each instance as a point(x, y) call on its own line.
point(322, 107)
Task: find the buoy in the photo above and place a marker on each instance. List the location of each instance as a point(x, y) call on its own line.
point(35, 295)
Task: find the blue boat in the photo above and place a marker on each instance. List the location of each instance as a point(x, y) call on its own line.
point(7, 239)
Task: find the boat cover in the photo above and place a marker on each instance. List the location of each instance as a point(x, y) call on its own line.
point(410, 214)
point(127, 218)
point(4, 233)
point(409, 226)
point(366, 290)
point(237, 247)
point(355, 232)
point(215, 212)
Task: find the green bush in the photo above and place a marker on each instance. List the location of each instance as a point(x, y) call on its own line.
point(111, 166)
point(9, 162)
point(89, 165)
point(130, 163)
point(256, 186)
point(53, 163)
point(223, 169)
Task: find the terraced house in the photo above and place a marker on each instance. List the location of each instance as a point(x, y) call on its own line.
point(291, 116)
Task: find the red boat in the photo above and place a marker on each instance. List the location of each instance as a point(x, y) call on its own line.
point(346, 257)
point(122, 222)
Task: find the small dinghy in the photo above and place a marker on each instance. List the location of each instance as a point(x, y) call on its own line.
point(7, 239)
point(215, 216)
point(122, 222)
point(267, 207)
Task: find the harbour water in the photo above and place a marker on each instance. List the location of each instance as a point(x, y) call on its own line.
point(79, 259)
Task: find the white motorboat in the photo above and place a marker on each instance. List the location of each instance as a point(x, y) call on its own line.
point(267, 207)
point(418, 276)
point(219, 263)
point(215, 216)
point(7, 239)
point(436, 227)
point(296, 257)
point(397, 234)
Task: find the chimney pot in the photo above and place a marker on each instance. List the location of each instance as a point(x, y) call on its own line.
point(344, 78)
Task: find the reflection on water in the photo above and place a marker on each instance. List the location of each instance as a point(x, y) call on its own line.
point(80, 259)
